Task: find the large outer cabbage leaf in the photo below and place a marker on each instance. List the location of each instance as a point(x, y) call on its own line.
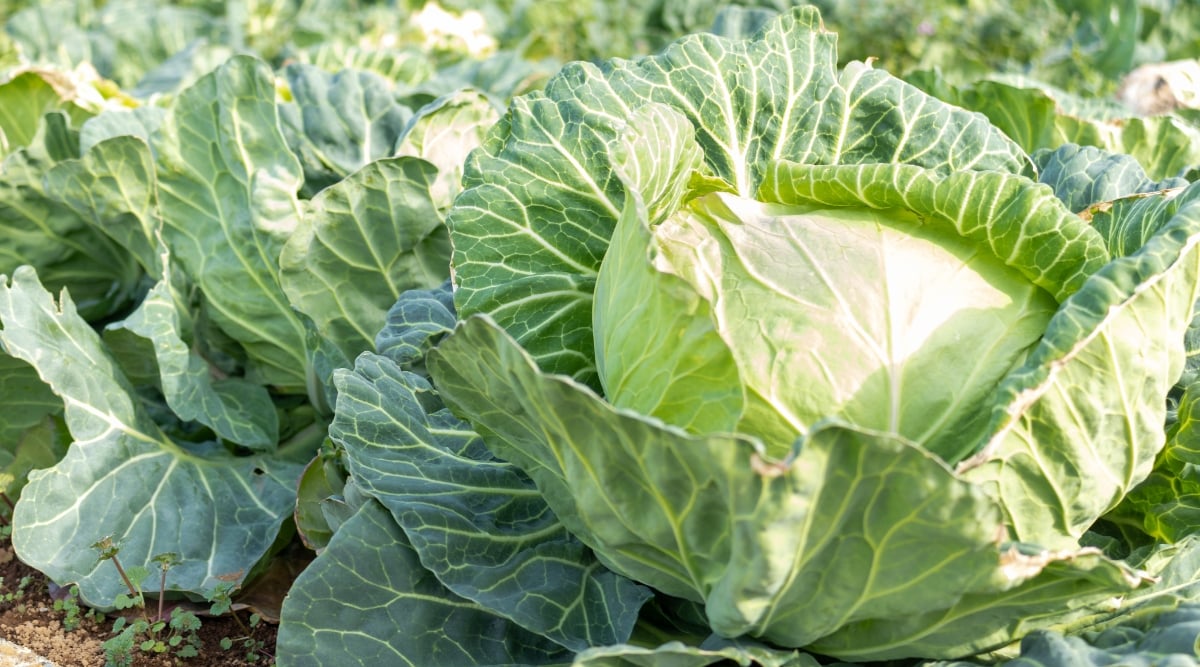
point(338, 123)
point(1084, 176)
point(112, 187)
point(476, 522)
point(227, 181)
point(123, 477)
point(378, 227)
point(236, 410)
point(856, 527)
point(398, 613)
point(42, 231)
point(1081, 423)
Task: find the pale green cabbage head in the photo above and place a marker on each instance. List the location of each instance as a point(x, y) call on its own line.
point(883, 318)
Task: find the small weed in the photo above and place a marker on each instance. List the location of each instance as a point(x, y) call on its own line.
point(118, 651)
point(222, 603)
point(176, 633)
point(17, 594)
point(73, 613)
point(157, 635)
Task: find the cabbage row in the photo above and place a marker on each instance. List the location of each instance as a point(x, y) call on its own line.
point(737, 351)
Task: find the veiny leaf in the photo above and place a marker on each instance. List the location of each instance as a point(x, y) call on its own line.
point(1130, 317)
point(1037, 116)
point(366, 600)
point(339, 123)
point(227, 184)
point(41, 231)
point(141, 122)
point(1139, 628)
point(112, 187)
point(444, 132)
point(122, 477)
point(1175, 572)
point(1083, 176)
point(237, 411)
point(360, 244)
point(658, 157)
point(476, 522)
point(1022, 223)
point(1127, 223)
point(1046, 589)
point(415, 323)
point(1166, 505)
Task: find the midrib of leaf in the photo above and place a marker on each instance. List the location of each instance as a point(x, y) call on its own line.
point(594, 187)
point(793, 96)
point(129, 462)
point(733, 148)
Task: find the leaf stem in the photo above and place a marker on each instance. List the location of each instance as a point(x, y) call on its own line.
point(304, 444)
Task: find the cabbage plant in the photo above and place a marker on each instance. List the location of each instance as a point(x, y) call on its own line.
point(802, 355)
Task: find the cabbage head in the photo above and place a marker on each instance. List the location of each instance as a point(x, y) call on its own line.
point(814, 351)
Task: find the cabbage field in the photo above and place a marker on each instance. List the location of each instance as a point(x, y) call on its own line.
point(573, 332)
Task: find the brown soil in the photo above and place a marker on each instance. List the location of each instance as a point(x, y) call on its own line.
point(28, 617)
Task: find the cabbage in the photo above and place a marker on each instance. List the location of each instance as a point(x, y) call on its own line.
point(759, 355)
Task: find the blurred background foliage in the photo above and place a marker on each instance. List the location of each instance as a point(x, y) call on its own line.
point(1081, 46)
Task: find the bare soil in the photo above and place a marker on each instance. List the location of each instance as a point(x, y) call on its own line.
point(28, 617)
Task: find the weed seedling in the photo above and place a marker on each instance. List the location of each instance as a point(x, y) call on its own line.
point(222, 602)
point(12, 596)
point(158, 635)
point(118, 651)
point(73, 614)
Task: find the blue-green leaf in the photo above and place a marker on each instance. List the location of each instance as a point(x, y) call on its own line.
point(122, 477)
point(476, 522)
point(368, 601)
